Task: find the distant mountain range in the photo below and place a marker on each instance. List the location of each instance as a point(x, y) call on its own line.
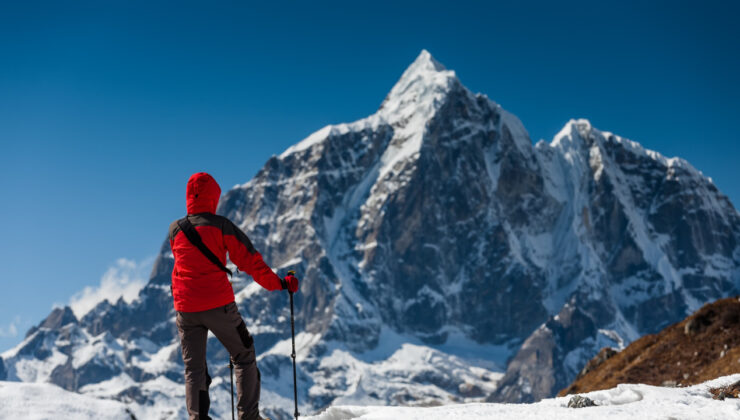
point(438, 248)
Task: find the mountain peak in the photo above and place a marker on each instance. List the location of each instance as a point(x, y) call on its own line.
point(419, 91)
point(58, 318)
point(412, 102)
point(571, 131)
point(576, 132)
point(425, 61)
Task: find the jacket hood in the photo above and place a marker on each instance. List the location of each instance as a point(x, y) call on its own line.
point(202, 194)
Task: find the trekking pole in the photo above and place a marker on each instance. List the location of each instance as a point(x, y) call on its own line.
point(231, 377)
point(292, 355)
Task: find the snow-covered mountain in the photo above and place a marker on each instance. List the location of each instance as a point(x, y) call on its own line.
point(437, 247)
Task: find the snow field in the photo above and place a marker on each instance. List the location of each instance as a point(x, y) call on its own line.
point(627, 401)
point(34, 401)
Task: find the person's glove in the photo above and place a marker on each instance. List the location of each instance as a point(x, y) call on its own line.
point(290, 282)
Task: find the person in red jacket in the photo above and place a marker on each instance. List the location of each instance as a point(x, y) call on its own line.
point(204, 299)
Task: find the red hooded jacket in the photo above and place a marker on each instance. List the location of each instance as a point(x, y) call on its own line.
point(197, 283)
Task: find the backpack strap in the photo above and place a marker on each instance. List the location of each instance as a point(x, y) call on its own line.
point(194, 237)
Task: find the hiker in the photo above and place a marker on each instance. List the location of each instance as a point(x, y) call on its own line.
point(204, 299)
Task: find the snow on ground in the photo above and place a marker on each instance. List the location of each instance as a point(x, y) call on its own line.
point(35, 401)
point(627, 401)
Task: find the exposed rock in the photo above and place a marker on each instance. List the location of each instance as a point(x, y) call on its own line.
point(729, 391)
point(36, 345)
point(579, 401)
point(64, 376)
point(58, 318)
point(535, 371)
point(603, 356)
point(470, 390)
point(673, 358)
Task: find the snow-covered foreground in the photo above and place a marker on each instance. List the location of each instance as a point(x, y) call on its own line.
point(33, 401)
point(627, 401)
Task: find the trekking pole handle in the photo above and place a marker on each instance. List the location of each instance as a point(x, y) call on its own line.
point(284, 281)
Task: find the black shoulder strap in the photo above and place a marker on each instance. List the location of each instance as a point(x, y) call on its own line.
point(194, 237)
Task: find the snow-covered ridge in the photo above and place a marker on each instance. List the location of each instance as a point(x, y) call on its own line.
point(309, 141)
point(418, 92)
point(574, 132)
point(410, 104)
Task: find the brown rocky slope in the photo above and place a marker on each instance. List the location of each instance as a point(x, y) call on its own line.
point(703, 346)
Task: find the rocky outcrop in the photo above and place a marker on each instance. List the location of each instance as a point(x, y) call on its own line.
point(58, 318)
point(536, 370)
point(604, 354)
point(704, 346)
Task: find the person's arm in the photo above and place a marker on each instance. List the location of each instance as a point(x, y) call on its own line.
point(245, 256)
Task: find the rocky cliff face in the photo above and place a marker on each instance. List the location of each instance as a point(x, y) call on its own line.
point(655, 240)
point(434, 242)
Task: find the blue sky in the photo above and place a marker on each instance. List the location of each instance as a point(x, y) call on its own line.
point(106, 108)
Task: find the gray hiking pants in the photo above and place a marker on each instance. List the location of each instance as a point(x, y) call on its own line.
point(227, 325)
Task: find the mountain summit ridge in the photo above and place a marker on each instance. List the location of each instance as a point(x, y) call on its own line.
point(410, 103)
point(436, 245)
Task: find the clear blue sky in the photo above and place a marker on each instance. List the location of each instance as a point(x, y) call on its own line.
point(106, 107)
